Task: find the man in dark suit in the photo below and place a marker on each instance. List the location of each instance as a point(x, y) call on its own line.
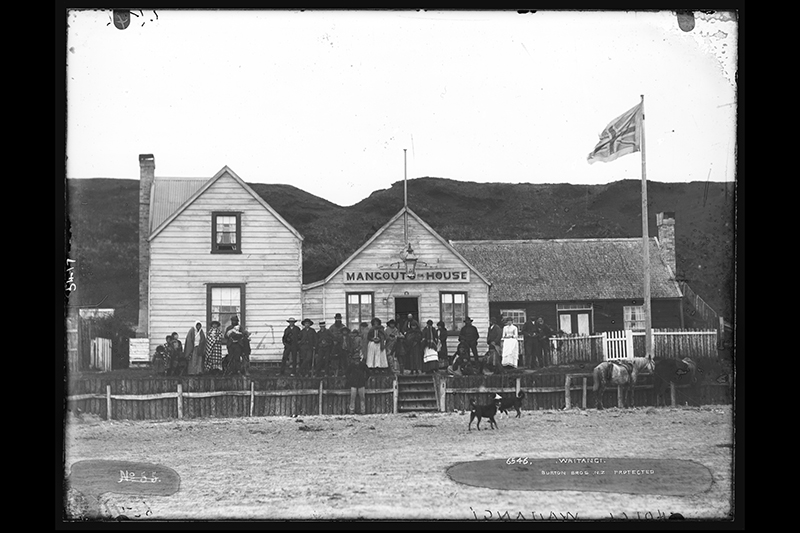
point(469, 335)
point(529, 335)
point(308, 345)
point(291, 346)
point(495, 340)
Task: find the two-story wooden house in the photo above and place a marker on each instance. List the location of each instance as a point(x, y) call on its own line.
point(211, 248)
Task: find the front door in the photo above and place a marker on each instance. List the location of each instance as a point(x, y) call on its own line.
point(405, 306)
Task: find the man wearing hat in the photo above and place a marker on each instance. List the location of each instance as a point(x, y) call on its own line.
point(338, 356)
point(291, 345)
point(324, 350)
point(308, 345)
point(469, 336)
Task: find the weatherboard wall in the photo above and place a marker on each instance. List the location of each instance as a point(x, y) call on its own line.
point(269, 268)
point(382, 257)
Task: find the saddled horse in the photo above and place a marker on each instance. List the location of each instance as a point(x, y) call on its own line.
point(622, 373)
point(676, 371)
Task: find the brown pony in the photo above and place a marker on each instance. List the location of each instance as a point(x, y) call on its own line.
point(621, 373)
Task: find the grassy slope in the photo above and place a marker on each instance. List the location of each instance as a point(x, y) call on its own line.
point(103, 217)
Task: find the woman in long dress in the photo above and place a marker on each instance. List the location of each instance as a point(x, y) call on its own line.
point(376, 346)
point(413, 348)
point(214, 349)
point(430, 342)
point(194, 349)
point(393, 342)
point(510, 344)
point(444, 360)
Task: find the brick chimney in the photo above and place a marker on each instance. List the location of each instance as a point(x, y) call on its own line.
point(147, 169)
point(666, 238)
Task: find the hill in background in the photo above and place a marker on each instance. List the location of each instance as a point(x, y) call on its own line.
point(102, 226)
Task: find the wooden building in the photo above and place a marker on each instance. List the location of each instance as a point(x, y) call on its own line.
point(405, 267)
point(211, 248)
point(581, 286)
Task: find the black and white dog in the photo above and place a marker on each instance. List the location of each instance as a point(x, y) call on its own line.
point(511, 402)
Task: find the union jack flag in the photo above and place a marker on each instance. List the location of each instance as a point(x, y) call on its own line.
point(621, 137)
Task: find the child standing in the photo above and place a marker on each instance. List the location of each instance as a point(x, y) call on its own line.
point(356, 378)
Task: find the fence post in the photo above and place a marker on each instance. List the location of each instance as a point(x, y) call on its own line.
point(620, 401)
point(583, 398)
point(628, 344)
point(252, 397)
point(672, 394)
point(567, 387)
point(604, 339)
point(442, 394)
point(395, 395)
point(320, 397)
point(519, 381)
point(180, 400)
point(108, 402)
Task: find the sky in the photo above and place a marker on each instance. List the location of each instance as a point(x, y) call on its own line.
point(343, 103)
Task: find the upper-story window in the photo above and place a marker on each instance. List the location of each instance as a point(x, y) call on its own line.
point(226, 233)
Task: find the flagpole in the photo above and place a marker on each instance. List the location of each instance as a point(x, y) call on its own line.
point(648, 328)
point(405, 197)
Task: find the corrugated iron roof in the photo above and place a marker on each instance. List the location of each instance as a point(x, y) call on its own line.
point(568, 269)
point(168, 195)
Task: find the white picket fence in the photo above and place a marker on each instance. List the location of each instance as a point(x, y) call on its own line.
point(617, 345)
point(101, 354)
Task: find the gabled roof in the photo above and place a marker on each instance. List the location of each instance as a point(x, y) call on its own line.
point(378, 233)
point(171, 196)
point(569, 269)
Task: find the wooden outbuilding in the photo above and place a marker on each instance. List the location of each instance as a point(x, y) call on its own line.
point(580, 286)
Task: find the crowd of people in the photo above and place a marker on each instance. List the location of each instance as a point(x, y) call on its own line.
point(389, 348)
point(201, 351)
point(404, 348)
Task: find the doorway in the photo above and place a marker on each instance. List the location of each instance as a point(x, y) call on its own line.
point(404, 306)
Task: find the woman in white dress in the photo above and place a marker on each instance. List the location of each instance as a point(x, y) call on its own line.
point(510, 344)
point(376, 347)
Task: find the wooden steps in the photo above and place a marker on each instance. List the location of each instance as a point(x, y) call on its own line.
point(416, 393)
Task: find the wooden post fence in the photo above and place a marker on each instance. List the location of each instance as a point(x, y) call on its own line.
point(552, 393)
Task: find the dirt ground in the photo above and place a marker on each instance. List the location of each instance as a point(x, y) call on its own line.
point(394, 466)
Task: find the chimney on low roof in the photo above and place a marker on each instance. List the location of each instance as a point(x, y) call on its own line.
point(147, 169)
point(666, 238)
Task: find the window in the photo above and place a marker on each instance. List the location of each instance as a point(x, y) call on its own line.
point(633, 317)
point(226, 233)
point(453, 309)
point(518, 316)
point(360, 308)
point(225, 301)
point(575, 318)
